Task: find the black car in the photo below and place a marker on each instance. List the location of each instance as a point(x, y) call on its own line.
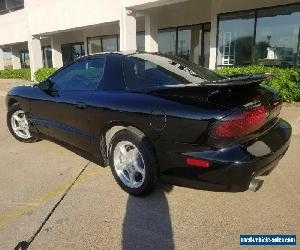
point(150, 116)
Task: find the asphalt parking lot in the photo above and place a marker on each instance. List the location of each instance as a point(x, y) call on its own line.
point(51, 198)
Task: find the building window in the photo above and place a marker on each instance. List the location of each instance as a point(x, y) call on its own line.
point(94, 45)
point(7, 60)
point(184, 43)
point(195, 47)
point(10, 5)
point(24, 59)
point(190, 42)
point(103, 44)
point(110, 43)
point(2, 5)
point(47, 56)
point(167, 41)
point(140, 41)
point(235, 43)
point(72, 51)
point(278, 36)
point(269, 36)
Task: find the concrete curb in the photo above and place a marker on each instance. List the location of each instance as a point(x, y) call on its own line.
point(7, 84)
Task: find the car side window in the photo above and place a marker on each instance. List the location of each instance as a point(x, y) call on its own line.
point(81, 75)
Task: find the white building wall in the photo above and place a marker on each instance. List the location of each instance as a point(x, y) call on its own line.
point(62, 15)
point(35, 52)
point(57, 59)
point(15, 59)
point(69, 21)
point(186, 13)
point(13, 27)
point(151, 33)
point(127, 30)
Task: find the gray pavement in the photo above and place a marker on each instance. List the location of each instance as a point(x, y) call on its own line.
point(55, 199)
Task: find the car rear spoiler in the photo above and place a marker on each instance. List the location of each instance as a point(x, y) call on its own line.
point(240, 80)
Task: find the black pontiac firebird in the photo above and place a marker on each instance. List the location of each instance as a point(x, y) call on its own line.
point(150, 116)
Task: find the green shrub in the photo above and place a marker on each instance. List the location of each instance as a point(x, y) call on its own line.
point(42, 74)
point(286, 80)
point(15, 73)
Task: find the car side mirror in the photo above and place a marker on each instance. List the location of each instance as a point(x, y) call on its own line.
point(45, 85)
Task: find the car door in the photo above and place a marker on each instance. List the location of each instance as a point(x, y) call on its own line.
point(62, 111)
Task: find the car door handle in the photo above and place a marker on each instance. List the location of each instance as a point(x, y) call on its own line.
point(80, 105)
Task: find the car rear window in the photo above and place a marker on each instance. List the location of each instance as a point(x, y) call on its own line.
point(144, 71)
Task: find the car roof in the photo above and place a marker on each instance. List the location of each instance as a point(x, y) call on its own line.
point(93, 56)
point(122, 53)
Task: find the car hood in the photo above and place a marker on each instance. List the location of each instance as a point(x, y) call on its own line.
point(21, 90)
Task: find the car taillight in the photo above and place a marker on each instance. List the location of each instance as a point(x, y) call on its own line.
point(197, 162)
point(241, 125)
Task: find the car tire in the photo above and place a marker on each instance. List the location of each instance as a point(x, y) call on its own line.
point(12, 124)
point(134, 169)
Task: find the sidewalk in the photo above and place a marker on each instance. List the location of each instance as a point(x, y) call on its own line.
point(7, 84)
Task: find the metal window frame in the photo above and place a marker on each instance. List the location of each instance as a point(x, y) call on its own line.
point(87, 41)
point(204, 28)
point(255, 10)
point(117, 36)
point(24, 52)
point(141, 33)
point(45, 56)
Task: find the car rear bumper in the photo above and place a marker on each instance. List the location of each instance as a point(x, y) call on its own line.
point(231, 169)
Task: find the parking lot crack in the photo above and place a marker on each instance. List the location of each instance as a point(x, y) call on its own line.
point(23, 245)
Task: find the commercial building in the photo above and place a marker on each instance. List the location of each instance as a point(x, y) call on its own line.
point(208, 32)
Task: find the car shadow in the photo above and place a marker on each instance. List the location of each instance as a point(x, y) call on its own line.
point(147, 223)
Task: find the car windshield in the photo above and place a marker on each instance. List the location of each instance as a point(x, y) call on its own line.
point(147, 71)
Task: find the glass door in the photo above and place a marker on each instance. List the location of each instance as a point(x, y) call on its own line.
point(72, 51)
point(200, 44)
point(47, 56)
point(24, 59)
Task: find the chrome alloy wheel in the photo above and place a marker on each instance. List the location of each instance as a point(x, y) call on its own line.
point(19, 125)
point(129, 164)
